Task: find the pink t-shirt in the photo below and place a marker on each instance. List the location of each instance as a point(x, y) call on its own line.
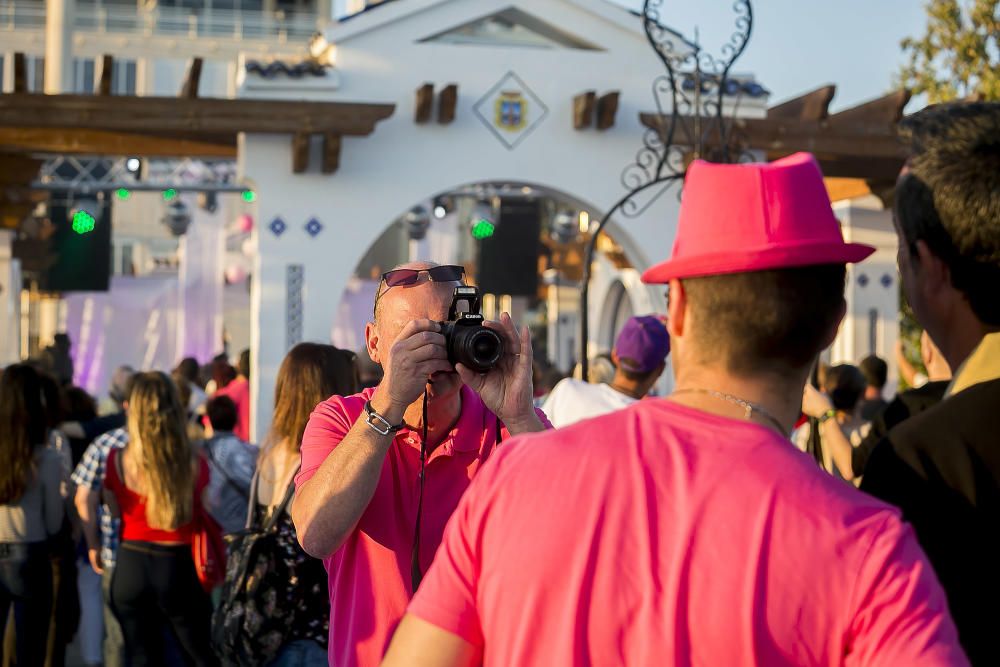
point(239, 391)
point(662, 535)
point(369, 577)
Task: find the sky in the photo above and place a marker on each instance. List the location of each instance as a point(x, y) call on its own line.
point(800, 45)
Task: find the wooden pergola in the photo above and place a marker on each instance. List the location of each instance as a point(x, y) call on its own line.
point(185, 126)
point(857, 148)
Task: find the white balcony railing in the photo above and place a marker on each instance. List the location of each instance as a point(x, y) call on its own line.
point(169, 21)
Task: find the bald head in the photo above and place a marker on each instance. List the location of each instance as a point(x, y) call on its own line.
point(386, 294)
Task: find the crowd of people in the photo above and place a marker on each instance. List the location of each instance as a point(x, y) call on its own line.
point(407, 510)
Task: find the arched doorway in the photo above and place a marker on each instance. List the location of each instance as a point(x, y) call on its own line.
point(457, 225)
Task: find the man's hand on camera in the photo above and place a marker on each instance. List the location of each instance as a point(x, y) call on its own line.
point(418, 352)
point(506, 389)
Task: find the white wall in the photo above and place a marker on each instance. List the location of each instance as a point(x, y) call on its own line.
point(872, 288)
point(401, 163)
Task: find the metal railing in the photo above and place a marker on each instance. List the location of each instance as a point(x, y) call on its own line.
point(169, 22)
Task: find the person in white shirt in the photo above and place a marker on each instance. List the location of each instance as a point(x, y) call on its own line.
point(640, 355)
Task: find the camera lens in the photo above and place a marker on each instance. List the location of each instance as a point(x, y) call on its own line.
point(486, 348)
point(477, 347)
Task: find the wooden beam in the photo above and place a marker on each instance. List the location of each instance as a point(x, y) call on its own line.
point(607, 107)
point(20, 73)
point(190, 118)
point(103, 69)
point(300, 152)
point(424, 103)
point(447, 101)
point(73, 141)
point(331, 153)
point(814, 105)
point(880, 168)
point(583, 110)
point(778, 136)
point(192, 78)
point(887, 109)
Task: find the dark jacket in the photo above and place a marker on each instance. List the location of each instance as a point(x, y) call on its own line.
point(905, 405)
point(942, 468)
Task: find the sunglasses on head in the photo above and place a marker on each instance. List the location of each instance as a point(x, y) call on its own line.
point(407, 277)
point(437, 274)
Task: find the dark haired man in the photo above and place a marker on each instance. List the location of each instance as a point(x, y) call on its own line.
point(365, 459)
point(942, 467)
point(876, 373)
point(232, 462)
point(639, 356)
point(689, 531)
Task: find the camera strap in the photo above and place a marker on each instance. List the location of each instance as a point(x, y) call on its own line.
point(416, 576)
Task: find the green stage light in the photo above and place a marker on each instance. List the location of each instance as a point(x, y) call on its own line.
point(483, 229)
point(83, 222)
point(169, 194)
point(249, 196)
point(123, 194)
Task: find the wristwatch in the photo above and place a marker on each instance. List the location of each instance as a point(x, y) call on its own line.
point(827, 416)
point(378, 423)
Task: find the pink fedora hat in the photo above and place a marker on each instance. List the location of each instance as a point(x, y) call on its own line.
point(737, 218)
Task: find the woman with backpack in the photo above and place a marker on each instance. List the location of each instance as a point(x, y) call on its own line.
point(155, 484)
point(282, 619)
point(31, 512)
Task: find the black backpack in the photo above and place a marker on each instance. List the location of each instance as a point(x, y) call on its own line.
point(249, 627)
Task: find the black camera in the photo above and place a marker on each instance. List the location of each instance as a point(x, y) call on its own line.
point(469, 343)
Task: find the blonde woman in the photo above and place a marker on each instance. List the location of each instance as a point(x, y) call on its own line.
point(153, 484)
point(285, 621)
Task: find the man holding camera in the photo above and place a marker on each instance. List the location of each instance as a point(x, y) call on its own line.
point(369, 459)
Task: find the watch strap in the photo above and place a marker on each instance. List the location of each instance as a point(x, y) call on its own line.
point(827, 416)
point(378, 423)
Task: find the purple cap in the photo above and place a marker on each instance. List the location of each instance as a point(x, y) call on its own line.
point(643, 344)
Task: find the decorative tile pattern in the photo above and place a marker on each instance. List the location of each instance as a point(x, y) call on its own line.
point(511, 110)
point(277, 226)
point(314, 227)
point(294, 282)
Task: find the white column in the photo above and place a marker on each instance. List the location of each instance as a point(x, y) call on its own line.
point(10, 301)
point(59, 17)
point(8, 72)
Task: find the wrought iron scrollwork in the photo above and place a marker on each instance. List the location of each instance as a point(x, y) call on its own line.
point(695, 99)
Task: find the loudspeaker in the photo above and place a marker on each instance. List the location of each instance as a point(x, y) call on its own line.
point(508, 260)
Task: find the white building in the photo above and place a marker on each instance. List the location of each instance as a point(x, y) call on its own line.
point(515, 71)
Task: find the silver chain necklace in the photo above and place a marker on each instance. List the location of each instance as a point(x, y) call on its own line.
point(748, 407)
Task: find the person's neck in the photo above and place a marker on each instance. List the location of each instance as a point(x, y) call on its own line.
point(442, 415)
point(623, 385)
point(959, 344)
point(779, 396)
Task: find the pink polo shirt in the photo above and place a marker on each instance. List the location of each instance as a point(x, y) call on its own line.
point(369, 576)
point(662, 535)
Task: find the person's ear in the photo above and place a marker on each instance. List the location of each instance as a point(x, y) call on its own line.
point(934, 273)
point(371, 342)
point(676, 309)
